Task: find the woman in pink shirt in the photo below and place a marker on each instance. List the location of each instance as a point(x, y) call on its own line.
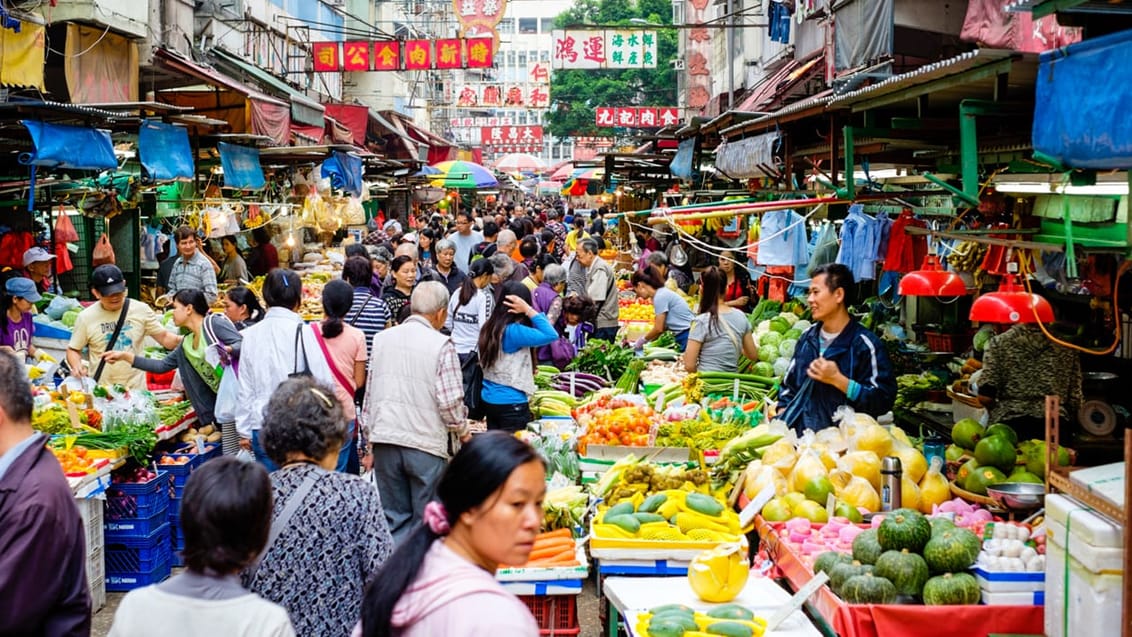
point(441, 580)
point(345, 349)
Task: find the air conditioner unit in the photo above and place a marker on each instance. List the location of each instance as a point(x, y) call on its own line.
point(678, 64)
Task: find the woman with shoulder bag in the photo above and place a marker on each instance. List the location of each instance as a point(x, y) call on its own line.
point(719, 333)
point(345, 349)
point(468, 312)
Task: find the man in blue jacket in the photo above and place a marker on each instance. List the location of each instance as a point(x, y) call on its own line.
point(836, 362)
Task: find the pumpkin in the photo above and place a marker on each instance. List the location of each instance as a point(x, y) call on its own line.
point(907, 571)
point(866, 548)
point(868, 589)
point(842, 572)
point(952, 551)
point(952, 589)
point(826, 561)
point(940, 524)
point(904, 529)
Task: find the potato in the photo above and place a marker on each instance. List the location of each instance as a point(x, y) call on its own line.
point(213, 437)
point(206, 430)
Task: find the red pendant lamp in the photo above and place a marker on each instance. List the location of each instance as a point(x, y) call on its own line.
point(1011, 303)
point(932, 280)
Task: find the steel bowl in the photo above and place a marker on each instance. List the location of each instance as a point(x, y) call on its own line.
point(1017, 496)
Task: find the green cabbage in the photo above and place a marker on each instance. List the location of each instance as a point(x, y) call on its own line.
point(763, 368)
point(770, 338)
point(793, 333)
point(767, 353)
point(779, 324)
point(982, 337)
point(69, 317)
point(786, 347)
point(789, 317)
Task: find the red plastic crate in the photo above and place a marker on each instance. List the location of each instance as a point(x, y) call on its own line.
point(157, 382)
point(954, 343)
point(555, 614)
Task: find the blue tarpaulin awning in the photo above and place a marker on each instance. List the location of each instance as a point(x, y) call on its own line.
point(164, 150)
point(62, 146)
point(241, 166)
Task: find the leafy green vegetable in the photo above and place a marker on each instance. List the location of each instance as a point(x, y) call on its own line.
point(602, 358)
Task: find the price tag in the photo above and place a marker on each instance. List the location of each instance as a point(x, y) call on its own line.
point(830, 505)
point(796, 602)
point(200, 444)
point(747, 515)
point(735, 391)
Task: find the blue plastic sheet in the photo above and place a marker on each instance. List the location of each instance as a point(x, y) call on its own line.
point(164, 150)
point(681, 164)
point(241, 166)
point(61, 146)
point(1081, 104)
point(344, 171)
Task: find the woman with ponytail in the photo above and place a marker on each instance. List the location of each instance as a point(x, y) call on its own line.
point(345, 349)
point(720, 332)
point(441, 579)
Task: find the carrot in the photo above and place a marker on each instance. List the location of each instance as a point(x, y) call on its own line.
point(564, 560)
point(550, 551)
point(564, 533)
point(553, 542)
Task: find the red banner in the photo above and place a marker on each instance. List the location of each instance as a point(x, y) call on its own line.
point(326, 56)
point(481, 53)
point(636, 117)
point(449, 54)
point(511, 136)
point(418, 55)
point(387, 55)
point(355, 56)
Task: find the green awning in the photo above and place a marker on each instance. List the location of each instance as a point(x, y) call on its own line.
point(304, 110)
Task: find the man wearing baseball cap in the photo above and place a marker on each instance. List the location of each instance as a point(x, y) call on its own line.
point(37, 267)
point(95, 328)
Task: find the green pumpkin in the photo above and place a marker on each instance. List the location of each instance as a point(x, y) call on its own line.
point(952, 551)
point(826, 561)
point(952, 589)
point(866, 549)
point(939, 525)
point(842, 572)
point(868, 589)
point(904, 529)
point(907, 571)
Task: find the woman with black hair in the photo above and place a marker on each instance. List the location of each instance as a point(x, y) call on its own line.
point(737, 290)
point(506, 350)
point(262, 257)
point(234, 269)
point(672, 312)
point(719, 333)
point(211, 340)
point(226, 519)
point(330, 532)
point(397, 296)
point(17, 329)
point(441, 580)
point(345, 349)
point(242, 307)
point(426, 240)
point(469, 309)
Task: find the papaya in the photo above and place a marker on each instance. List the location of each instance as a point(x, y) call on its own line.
point(668, 607)
point(704, 504)
point(645, 518)
point(687, 622)
point(666, 629)
point(621, 508)
point(625, 522)
point(731, 611)
point(730, 629)
point(652, 503)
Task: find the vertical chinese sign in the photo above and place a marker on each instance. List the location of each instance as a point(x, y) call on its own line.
point(697, 52)
point(479, 19)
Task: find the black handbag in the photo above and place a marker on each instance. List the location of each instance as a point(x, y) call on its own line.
point(473, 384)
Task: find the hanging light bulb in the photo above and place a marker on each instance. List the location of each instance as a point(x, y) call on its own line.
point(290, 240)
point(1011, 303)
point(932, 280)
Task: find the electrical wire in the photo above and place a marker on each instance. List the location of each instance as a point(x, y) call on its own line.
point(84, 51)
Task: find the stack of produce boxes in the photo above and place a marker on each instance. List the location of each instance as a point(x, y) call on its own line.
point(90, 510)
point(180, 465)
point(137, 531)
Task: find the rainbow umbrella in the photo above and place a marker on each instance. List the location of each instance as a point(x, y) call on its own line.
point(519, 163)
point(463, 174)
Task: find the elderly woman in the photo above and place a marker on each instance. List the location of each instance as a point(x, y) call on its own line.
point(547, 298)
point(329, 533)
point(451, 276)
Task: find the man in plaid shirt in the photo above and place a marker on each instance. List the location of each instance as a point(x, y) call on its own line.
point(414, 407)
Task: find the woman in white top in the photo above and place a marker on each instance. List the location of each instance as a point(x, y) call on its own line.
point(226, 516)
point(469, 310)
point(719, 333)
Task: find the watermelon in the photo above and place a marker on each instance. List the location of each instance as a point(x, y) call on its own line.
point(952, 589)
point(952, 551)
point(866, 549)
point(907, 571)
point(904, 529)
point(869, 589)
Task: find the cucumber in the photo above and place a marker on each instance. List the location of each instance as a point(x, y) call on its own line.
point(731, 611)
point(730, 629)
point(620, 509)
point(624, 521)
point(645, 518)
point(704, 504)
point(652, 503)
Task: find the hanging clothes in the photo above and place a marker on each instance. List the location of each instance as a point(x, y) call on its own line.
point(779, 23)
point(859, 239)
point(775, 283)
point(783, 239)
point(905, 252)
point(884, 227)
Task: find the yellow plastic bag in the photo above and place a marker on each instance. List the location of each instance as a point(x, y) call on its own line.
point(934, 489)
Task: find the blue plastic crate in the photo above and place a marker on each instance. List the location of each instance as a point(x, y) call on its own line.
point(138, 555)
point(140, 528)
point(121, 582)
point(130, 501)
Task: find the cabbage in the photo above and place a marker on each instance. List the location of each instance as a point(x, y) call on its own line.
point(764, 369)
point(793, 333)
point(802, 325)
point(770, 338)
point(786, 347)
point(790, 317)
point(779, 324)
point(780, 367)
point(69, 317)
point(982, 337)
point(59, 306)
point(768, 353)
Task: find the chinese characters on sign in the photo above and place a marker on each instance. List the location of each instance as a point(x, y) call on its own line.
point(603, 49)
point(511, 138)
point(469, 122)
point(479, 19)
point(410, 55)
point(536, 96)
point(636, 117)
point(698, 48)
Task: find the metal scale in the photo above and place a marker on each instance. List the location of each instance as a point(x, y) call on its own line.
point(1101, 413)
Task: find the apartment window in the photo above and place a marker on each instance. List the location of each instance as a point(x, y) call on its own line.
point(547, 25)
point(522, 60)
point(528, 25)
point(507, 25)
point(544, 55)
point(511, 58)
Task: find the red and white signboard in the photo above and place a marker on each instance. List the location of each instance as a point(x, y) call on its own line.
point(511, 136)
point(636, 117)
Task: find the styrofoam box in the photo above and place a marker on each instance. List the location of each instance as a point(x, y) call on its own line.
point(1009, 582)
point(1030, 598)
point(1105, 560)
point(1091, 528)
point(1089, 602)
point(1106, 480)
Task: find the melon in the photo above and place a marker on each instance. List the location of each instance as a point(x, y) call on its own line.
point(866, 549)
point(966, 433)
point(965, 471)
point(952, 589)
point(1024, 476)
point(904, 529)
point(954, 452)
point(869, 589)
point(951, 551)
point(996, 451)
point(999, 429)
point(907, 571)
